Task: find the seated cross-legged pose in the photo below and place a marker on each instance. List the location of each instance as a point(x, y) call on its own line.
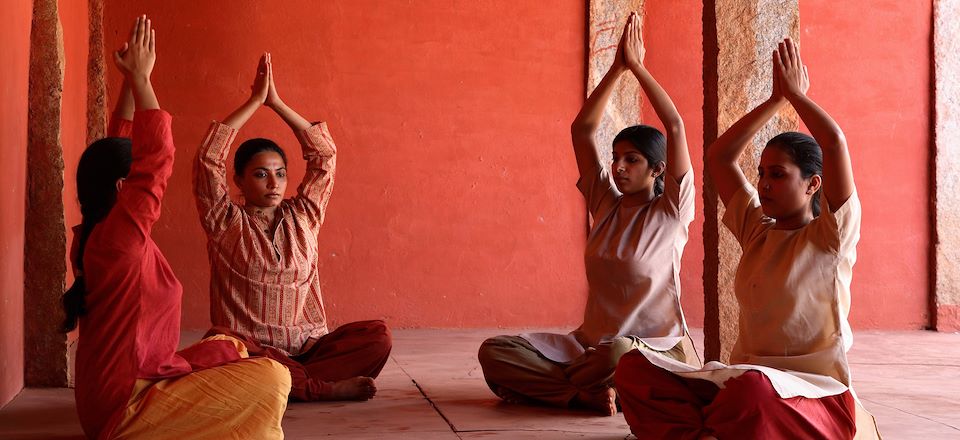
point(264, 281)
point(130, 381)
point(641, 204)
point(790, 378)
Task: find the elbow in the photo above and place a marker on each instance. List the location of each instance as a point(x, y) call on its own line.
point(835, 141)
point(674, 128)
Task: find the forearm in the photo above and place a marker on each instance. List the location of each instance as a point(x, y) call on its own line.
point(729, 146)
point(588, 120)
point(293, 119)
point(125, 102)
point(143, 95)
point(823, 128)
point(659, 99)
point(242, 114)
point(678, 156)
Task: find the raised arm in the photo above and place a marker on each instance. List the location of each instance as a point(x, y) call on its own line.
point(837, 170)
point(293, 119)
point(136, 61)
point(258, 94)
point(678, 156)
point(584, 128)
point(138, 202)
point(722, 155)
point(210, 188)
point(318, 149)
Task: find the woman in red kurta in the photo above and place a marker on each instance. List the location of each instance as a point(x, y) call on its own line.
point(264, 280)
point(130, 381)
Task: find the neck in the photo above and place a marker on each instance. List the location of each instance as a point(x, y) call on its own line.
point(267, 211)
point(638, 198)
point(795, 221)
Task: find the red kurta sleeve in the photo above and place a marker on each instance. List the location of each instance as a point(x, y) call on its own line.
point(119, 127)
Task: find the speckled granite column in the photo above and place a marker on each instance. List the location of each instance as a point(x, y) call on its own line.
point(739, 39)
point(607, 18)
point(946, 42)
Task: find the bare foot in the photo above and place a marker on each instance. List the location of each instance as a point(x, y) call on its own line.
point(354, 388)
point(511, 396)
point(604, 402)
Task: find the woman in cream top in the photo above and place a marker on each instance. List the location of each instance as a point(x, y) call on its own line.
point(790, 377)
point(641, 204)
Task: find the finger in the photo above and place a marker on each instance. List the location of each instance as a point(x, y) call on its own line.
point(782, 54)
point(153, 40)
point(117, 59)
point(147, 31)
point(141, 24)
point(133, 32)
point(794, 56)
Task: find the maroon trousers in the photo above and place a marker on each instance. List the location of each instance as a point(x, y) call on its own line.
point(355, 349)
point(659, 404)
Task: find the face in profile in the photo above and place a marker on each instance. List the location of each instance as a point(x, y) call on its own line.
point(630, 169)
point(783, 191)
point(264, 180)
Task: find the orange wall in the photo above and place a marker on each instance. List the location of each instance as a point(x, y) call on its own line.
point(73, 116)
point(870, 68)
point(673, 35)
point(455, 203)
point(15, 53)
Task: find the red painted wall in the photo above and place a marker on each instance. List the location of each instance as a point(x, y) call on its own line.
point(15, 53)
point(455, 203)
point(870, 68)
point(673, 35)
point(73, 111)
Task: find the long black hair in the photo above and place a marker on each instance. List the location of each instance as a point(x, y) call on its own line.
point(101, 165)
point(651, 143)
point(806, 153)
point(252, 147)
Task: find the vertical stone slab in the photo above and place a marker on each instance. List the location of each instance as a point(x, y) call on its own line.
point(44, 265)
point(946, 42)
point(739, 38)
point(96, 76)
point(607, 18)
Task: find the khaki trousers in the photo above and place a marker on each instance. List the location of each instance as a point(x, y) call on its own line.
point(513, 364)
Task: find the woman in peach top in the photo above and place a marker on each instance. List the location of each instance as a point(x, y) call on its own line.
point(641, 204)
point(790, 377)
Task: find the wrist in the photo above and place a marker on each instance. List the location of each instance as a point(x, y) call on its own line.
point(617, 69)
point(136, 79)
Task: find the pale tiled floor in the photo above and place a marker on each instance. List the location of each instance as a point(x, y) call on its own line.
point(432, 389)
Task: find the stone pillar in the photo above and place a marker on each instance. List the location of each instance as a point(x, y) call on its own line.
point(946, 190)
point(44, 250)
point(739, 37)
point(96, 76)
point(607, 18)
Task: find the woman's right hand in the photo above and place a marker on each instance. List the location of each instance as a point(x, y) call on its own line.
point(619, 61)
point(633, 43)
point(261, 82)
point(137, 56)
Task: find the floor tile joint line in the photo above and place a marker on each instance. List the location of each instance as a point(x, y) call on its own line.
point(423, 393)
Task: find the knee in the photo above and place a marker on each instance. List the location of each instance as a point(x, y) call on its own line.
point(751, 388)
point(619, 347)
point(490, 351)
point(272, 376)
point(632, 365)
point(381, 335)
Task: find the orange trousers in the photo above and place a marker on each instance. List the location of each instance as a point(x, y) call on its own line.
point(244, 399)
